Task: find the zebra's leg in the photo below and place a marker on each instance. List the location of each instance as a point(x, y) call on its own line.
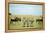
point(37, 22)
point(31, 24)
point(24, 24)
point(27, 24)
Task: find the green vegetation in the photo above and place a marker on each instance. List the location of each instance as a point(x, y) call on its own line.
point(19, 25)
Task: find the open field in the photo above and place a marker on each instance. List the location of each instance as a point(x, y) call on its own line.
point(27, 21)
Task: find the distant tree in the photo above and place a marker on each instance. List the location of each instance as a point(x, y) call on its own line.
point(9, 16)
point(9, 13)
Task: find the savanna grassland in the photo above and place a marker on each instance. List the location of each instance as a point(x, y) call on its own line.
point(25, 21)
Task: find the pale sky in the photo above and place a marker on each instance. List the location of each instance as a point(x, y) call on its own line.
point(25, 9)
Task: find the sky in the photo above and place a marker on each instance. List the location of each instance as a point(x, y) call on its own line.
point(25, 9)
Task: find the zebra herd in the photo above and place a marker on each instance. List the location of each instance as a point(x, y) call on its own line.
point(24, 20)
